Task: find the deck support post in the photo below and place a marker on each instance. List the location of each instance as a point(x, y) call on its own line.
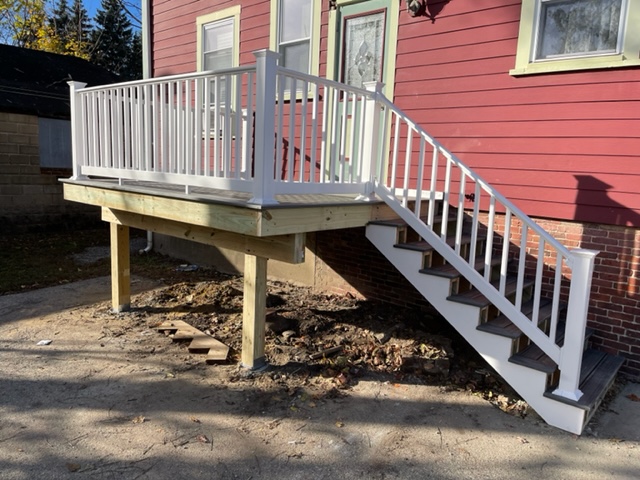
point(254, 312)
point(120, 268)
point(577, 309)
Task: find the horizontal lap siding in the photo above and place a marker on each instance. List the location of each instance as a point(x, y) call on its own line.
point(174, 32)
point(560, 145)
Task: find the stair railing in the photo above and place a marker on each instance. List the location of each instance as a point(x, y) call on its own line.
point(421, 173)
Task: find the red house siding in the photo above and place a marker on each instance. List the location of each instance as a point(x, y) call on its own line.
point(563, 147)
point(560, 146)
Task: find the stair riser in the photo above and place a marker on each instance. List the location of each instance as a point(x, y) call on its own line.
point(528, 383)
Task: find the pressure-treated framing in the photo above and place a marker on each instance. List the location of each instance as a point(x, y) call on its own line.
point(261, 233)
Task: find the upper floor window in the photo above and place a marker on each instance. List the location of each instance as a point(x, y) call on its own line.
point(295, 20)
point(557, 35)
point(295, 33)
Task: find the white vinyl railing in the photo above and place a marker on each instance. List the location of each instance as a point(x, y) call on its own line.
point(422, 174)
point(267, 131)
point(263, 130)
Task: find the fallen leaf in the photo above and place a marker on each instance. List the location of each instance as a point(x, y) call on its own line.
point(195, 420)
point(203, 439)
point(339, 424)
point(523, 440)
point(633, 397)
point(138, 419)
point(73, 467)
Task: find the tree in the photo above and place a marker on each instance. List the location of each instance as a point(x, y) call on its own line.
point(79, 43)
point(112, 38)
point(24, 23)
point(60, 20)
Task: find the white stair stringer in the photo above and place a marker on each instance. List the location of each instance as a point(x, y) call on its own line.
point(496, 350)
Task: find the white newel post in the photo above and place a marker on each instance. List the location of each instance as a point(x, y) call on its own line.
point(264, 151)
point(371, 139)
point(77, 131)
point(571, 353)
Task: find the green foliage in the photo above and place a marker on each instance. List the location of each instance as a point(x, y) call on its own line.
point(112, 38)
point(55, 26)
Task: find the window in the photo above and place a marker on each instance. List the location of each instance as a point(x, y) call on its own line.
point(295, 33)
point(219, 40)
point(218, 47)
point(557, 35)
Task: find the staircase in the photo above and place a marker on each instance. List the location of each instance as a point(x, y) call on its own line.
point(531, 372)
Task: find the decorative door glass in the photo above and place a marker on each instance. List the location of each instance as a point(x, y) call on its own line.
point(363, 48)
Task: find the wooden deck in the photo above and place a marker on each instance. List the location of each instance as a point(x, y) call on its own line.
point(223, 219)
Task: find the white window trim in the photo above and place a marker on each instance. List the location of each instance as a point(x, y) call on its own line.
point(525, 63)
point(231, 12)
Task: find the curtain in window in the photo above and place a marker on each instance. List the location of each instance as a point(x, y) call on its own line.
point(573, 27)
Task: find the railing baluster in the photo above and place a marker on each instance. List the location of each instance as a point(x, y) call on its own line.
point(474, 226)
point(433, 185)
point(198, 139)
point(555, 305)
point(521, 265)
point(148, 159)
point(444, 225)
point(407, 167)
point(394, 157)
point(291, 153)
point(343, 136)
point(418, 206)
point(352, 139)
point(238, 128)
point(325, 133)
point(460, 214)
point(333, 155)
point(488, 249)
point(303, 131)
point(249, 133)
point(279, 127)
point(228, 132)
point(537, 289)
point(506, 242)
point(314, 135)
point(217, 128)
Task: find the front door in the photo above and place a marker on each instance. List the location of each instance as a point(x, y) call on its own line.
point(362, 47)
point(365, 38)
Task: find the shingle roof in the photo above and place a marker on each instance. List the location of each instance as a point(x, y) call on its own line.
point(35, 82)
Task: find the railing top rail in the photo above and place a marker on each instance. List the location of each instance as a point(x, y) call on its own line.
point(548, 238)
point(323, 81)
point(171, 78)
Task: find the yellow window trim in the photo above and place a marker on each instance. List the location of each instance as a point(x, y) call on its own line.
point(630, 55)
point(231, 12)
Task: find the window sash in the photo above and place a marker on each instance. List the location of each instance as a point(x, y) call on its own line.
point(292, 13)
point(570, 29)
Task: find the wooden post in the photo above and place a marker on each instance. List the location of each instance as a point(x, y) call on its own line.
point(254, 311)
point(120, 268)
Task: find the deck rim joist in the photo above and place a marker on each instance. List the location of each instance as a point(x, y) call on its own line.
point(315, 213)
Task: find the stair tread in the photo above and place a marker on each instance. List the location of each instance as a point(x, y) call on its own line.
point(399, 222)
point(534, 357)
point(476, 298)
point(598, 372)
point(449, 271)
point(501, 325)
point(423, 246)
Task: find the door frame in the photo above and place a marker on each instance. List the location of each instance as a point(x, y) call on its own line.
point(334, 40)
